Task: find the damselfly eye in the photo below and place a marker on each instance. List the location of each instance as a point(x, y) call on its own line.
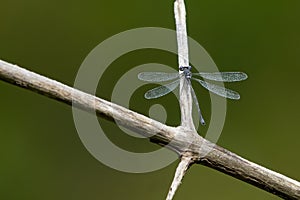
point(183, 68)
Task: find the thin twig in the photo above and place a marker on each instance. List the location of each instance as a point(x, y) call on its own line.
point(218, 158)
point(180, 172)
point(186, 101)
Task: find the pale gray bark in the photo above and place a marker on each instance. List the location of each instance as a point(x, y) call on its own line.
point(186, 100)
point(185, 142)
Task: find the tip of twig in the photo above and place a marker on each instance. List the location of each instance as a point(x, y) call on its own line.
point(180, 172)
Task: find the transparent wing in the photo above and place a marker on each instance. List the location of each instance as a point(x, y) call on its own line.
point(157, 76)
point(224, 92)
point(223, 76)
point(161, 90)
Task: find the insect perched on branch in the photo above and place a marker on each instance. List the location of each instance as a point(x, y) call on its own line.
point(160, 91)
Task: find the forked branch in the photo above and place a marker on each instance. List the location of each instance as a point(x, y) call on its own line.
point(183, 141)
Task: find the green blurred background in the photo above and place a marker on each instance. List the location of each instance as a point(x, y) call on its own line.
point(42, 156)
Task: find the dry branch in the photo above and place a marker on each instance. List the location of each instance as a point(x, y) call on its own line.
point(179, 174)
point(186, 101)
point(183, 141)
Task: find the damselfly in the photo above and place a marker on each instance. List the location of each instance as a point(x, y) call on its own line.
point(175, 77)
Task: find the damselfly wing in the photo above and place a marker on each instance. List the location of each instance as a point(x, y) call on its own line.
point(156, 77)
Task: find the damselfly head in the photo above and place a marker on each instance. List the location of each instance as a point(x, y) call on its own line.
point(184, 68)
point(186, 71)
